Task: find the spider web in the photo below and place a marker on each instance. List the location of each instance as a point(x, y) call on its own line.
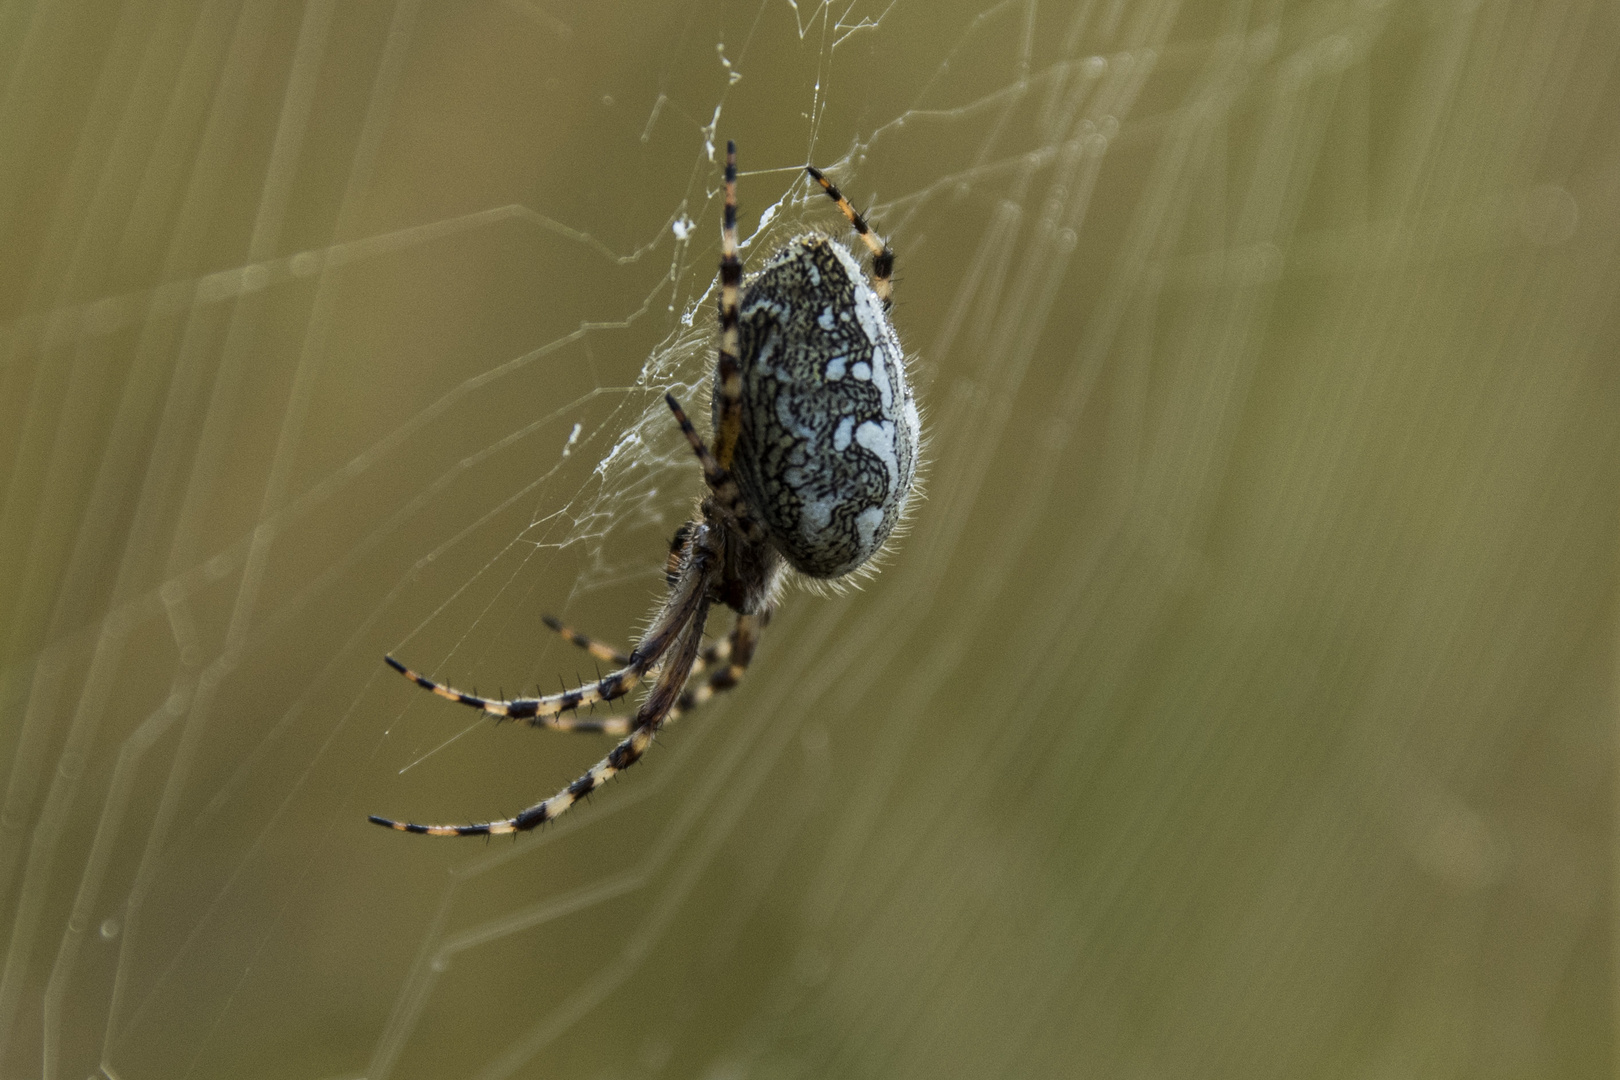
point(1239, 704)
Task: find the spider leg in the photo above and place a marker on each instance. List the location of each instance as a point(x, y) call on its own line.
point(882, 254)
point(677, 549)
point(730, 369)
point(607, 653)
point(717, 653)
point(649, 718)
point(739, 652)
point(547, 711)
point(719, 479)
point(596, 648)
point(539, 711)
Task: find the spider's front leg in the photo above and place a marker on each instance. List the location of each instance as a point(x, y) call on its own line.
point(649, 718)
point(717, 653)
point(672, 646)
point(601, 650)
point(547, 711)
point(725, 660)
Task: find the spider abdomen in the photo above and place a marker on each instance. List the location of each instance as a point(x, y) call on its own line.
point(827, 454)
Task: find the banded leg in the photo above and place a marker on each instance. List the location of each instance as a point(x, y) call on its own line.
point(606, 653)
point(730, 368)
point(547, 711)
point(649, 718)
point(882, 254)
point(619, 725)
point(718, 653)
point(720, 481)
point(715, 654)
point(738, 654)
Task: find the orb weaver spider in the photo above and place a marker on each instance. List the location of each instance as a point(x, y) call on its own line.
point(814, 459)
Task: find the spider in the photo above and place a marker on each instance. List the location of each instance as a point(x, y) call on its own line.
point(815, 451)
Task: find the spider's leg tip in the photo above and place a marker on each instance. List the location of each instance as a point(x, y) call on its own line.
point(731, 146)
point(553, 622)
point(815, 173)
point(395, 664)
point(384, 822)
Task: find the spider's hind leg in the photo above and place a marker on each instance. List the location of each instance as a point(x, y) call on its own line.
point(718, 653)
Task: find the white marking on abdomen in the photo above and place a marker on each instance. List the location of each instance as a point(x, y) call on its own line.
point(879, 439)
point(866, 523)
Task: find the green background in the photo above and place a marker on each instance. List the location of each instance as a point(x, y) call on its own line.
point(1241, 702)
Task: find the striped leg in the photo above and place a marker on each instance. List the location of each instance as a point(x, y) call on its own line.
point(547, 711)
point(649, 718)
point(739, 652)
point(718, 653)
point(882, 254)
point(672, 575)
point(719, 480)
point(606, 725)
point(730, 369)
point(606, 653)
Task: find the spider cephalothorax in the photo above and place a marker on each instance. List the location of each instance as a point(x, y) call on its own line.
point(815, 454)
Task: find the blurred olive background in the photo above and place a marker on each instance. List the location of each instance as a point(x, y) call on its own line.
point(1240, 704)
